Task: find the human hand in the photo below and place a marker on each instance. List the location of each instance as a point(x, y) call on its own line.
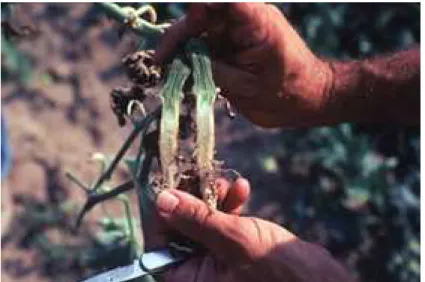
point(260, 62)
point(241, 248)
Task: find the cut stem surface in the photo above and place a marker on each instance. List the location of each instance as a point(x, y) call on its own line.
point(172, 95)
point(205, 91)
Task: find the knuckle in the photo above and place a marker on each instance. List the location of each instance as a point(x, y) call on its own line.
point(199, 214)
point(252, 240)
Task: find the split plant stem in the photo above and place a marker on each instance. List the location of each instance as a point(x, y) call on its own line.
point(172, 95)
point(205, 93)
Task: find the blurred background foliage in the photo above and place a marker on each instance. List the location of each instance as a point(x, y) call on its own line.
point(353, 188)
point(361, 199)
point(15, 65)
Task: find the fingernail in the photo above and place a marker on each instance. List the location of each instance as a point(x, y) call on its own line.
point(166, 202)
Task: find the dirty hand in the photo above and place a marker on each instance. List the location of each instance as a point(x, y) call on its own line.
point(241, 248)
point(260, 62)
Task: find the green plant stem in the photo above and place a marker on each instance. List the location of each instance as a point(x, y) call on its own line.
point(106, 175)
point(77, 181)
point(139, 154)
point(127, 209)
point(95, 198)
point(103, 190)
point(139, 26)
point(142, 189)
point(147, 9)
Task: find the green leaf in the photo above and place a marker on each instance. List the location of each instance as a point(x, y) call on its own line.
point(15, 63)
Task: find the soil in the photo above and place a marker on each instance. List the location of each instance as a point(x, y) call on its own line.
point(57, 122)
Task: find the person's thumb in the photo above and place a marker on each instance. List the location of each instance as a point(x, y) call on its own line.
point(227, 236)
point(196, 21)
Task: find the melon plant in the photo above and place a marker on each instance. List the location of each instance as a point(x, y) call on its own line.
point(177, 139)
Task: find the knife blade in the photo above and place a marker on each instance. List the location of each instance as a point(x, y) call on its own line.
point(148, 263)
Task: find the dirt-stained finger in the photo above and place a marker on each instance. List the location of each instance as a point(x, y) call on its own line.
point(226, 235)
point(237, 196)
point(218, 19)
point(192, 24)
point(170, 40)
point(222, 186)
